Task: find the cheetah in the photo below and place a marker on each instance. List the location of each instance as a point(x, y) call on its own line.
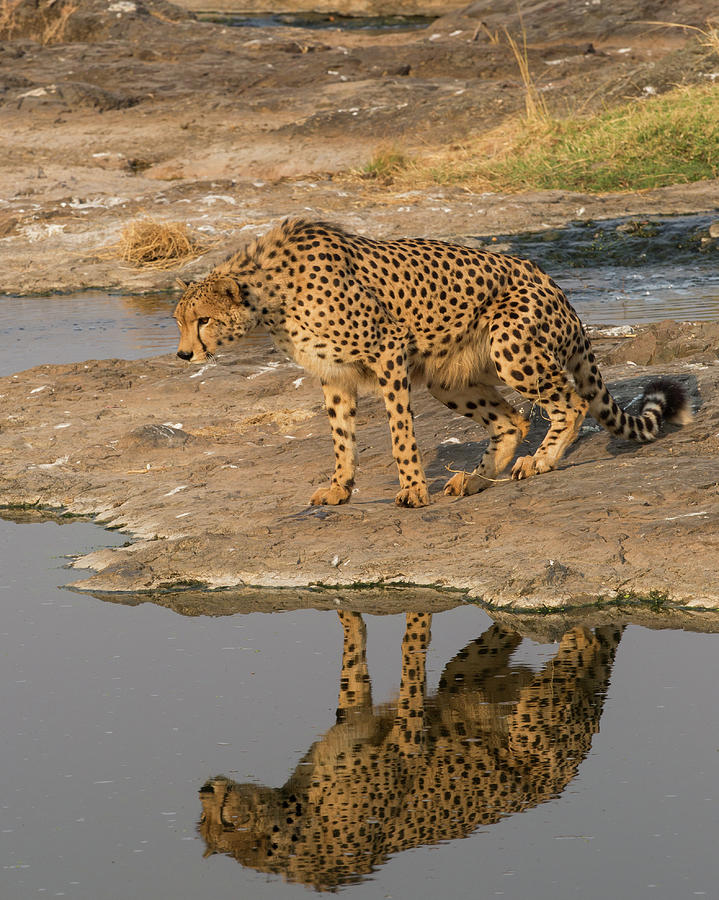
point(497, 738)
point(353, 310)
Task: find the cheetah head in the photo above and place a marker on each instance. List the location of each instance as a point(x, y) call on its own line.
point(214, 312)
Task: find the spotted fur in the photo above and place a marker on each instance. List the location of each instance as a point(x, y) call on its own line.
point(352, 310)
point(495, 739)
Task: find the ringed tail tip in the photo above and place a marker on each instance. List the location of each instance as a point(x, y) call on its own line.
point(672, 399)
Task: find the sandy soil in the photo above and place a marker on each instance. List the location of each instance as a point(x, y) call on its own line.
point(135, 108)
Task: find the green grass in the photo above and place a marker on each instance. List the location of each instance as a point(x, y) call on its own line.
point(669, 139)
point(385, 163)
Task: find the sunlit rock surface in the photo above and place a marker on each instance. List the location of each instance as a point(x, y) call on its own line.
point(209, 470)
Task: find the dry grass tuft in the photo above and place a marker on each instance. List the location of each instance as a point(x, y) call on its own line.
point(161, 245)
point(49, 27)
point(54, 31)
point(386, 162)
point(536, 108)
point(7, 17)
point(708, 36)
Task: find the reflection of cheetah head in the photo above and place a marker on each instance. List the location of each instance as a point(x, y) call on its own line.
point(215, 311)
point(238, 819)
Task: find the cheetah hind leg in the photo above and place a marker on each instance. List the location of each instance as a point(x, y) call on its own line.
point(506, 426)
point(566, 411)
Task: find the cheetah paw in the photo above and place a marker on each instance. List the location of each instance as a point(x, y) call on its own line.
point(413, 496)
point(526, 466)
point(464, 485)
point(330, 496)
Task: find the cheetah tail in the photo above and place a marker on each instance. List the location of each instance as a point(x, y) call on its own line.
point(663, 400)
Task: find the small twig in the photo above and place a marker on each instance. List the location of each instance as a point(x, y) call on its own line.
point(478, 474)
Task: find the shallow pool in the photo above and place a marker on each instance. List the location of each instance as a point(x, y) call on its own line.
point(319, 21)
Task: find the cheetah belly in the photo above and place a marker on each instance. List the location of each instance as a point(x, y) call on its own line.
point(462, 362)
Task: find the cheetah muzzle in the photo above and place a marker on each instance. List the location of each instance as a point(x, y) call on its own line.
point(353, 310)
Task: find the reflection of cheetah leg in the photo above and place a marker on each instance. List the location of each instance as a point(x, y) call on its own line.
point(408, 729)
point(393, 377)
point(355, 686)
point(568, 691)
point(341, 404)
point(485, 658)
point(506, 426)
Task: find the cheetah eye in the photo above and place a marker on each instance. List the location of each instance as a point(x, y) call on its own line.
point(203, 320)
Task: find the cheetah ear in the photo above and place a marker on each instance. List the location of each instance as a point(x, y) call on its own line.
point(183, 285)
point(230, 290)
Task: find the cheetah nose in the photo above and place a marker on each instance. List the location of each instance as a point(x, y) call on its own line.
point(185, 354)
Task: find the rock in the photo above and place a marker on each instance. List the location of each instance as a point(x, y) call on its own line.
point(222, 500)
point(65, 21)
point(155, 436)
point(74, 94)
point(668, 341)
point(8, 224)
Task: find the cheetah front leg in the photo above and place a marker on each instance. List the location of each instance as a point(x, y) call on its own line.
point(355, 687)
point(393, 378)
point(341, 404)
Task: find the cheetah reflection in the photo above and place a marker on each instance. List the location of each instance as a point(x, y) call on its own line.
point(495, 739)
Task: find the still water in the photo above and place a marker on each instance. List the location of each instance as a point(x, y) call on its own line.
point(145, 754)
point(64, 328)
point(627, 271)
point(319, 21)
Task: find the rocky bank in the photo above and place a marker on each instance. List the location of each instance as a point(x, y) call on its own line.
point(209, 470)
point(111, 111)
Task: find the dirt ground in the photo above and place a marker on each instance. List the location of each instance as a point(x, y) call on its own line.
point(110, 112)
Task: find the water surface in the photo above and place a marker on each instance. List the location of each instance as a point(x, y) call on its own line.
point(64, 328)
point(631, 270)
point(592, 765)
point(319, 21)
